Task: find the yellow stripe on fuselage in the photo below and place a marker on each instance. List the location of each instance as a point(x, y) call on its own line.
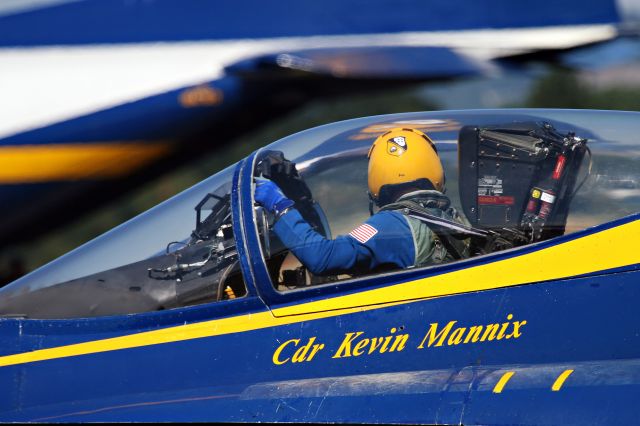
point(211, 328)
point(608, 249)
point(75, 161)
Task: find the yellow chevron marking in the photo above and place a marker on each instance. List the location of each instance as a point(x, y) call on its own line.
point(560, 380)
point(66, 162)
point(503, 381)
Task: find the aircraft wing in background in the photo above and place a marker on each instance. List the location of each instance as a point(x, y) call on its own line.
point(99, 96)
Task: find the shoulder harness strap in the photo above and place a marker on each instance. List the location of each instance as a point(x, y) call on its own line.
point(451, 233)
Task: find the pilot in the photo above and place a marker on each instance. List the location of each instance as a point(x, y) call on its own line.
point(415, 225)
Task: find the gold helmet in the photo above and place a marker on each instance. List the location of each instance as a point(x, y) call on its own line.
point(403, 157)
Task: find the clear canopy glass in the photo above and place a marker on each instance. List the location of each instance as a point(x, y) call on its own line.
point(181, 252)
point(602, 182)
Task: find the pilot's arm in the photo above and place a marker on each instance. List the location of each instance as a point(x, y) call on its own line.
point(384, 239)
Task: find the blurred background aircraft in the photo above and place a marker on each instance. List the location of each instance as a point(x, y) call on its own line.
point(111, 106)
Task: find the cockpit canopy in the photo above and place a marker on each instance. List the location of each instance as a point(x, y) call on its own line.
point(518, 177)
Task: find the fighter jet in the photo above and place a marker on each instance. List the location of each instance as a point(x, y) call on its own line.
point(197, 311)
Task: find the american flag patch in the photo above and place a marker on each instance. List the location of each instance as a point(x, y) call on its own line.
point(363, 233)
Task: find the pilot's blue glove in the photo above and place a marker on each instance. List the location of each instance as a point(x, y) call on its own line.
point(270, 196)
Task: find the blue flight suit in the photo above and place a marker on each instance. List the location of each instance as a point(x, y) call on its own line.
point(392, 244)
point(388, 239)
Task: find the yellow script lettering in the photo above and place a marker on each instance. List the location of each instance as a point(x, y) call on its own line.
point(456, 336)
point(276, 354)
point(301, 354)
point(432, 334)
point(345, 347)
point(357, 350)
point(516, 329)
point(504, 327)
point(474, 334)
point(490, 332)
